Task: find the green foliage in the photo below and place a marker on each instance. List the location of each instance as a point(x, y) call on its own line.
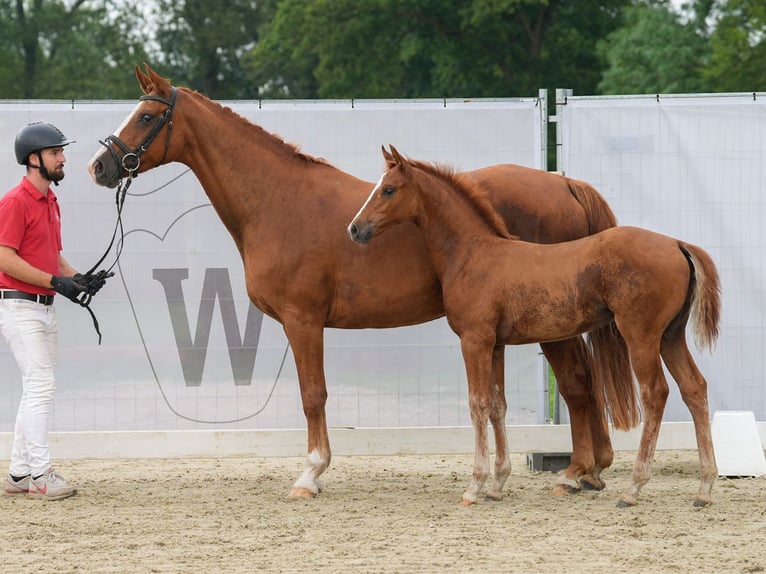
point(430, 48)
point(653, 53)
point(202, 42)
point(57, 50)
point(738, 43)
point(235, 49)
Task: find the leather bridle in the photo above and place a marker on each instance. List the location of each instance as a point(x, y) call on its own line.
point(131, 159)
point(130, 162)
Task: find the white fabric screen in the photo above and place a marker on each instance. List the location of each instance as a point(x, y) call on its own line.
point(411, 376)
point(693, 167)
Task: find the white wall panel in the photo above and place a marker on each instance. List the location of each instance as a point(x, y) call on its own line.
point(411, 376)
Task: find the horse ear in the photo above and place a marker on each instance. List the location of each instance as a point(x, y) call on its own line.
point(143, 79)
point(155, 83)
point(397, 157)
point(388, 157)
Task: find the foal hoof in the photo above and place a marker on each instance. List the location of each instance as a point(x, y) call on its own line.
point(301, 492)
point(493, 496)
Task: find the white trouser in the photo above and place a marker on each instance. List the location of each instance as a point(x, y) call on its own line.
point(32, 334)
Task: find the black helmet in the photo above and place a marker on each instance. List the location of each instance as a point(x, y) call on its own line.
point(36, 136)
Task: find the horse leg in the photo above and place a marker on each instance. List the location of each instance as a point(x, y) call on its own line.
point(693, 387)
point(497, 418)
point(307, 341)
point(477, 356)
point(645, 358)
point(591, 446)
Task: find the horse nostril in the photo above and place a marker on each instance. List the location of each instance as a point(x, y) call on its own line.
point(353, 231)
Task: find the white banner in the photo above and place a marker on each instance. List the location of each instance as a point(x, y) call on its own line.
point(216, 360)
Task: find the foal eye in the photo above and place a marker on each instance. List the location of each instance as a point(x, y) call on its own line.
point(389, 191)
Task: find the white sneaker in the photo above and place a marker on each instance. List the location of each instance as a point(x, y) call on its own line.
point(50, 486)
point(20, 486)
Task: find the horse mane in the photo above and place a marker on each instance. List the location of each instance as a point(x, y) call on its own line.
point(474, 194)
point(276, 142)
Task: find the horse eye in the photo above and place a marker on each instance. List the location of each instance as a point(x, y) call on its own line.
point(389, 191)
point(145, 118)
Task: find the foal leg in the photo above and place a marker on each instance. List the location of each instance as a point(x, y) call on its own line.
point(693, 387)
point(477, 356)
point(591, 446)
point(645, 357)
point(497, 418)
point(308, 349)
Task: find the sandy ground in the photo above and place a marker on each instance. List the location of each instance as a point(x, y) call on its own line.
point(377, 514)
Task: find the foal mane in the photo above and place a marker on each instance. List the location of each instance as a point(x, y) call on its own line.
point(473, 194)
point(276, 142)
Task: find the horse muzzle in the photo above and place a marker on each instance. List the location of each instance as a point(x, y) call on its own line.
point(360, 232)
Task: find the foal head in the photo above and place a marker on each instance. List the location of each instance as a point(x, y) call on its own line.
point(398, 197)
point(142, 141)
point(390, 202)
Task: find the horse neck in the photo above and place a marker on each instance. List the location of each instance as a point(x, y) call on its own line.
point(450, 224)
point(237, 163)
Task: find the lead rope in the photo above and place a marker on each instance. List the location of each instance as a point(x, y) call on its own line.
point(84, 299)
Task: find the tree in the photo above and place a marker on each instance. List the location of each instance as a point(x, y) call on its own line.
point(654, 52)
point(738, 44)
point(202, 42)
point(430, 48)
point(77, 50)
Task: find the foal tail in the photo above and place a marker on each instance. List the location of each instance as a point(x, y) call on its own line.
point(597, 211)
point(705, 304)
point(612, 376)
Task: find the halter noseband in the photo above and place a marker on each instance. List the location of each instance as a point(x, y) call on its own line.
point(131, 159)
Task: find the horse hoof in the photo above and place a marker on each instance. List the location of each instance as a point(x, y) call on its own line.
point(622, 503)
point(564, 490)
point(492, 496)
point(702, 502)
point(467, 502)
point(592, 483)
point(301, 492)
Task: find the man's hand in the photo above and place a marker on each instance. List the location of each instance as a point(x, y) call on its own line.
point(68, 287)
point(92, 283)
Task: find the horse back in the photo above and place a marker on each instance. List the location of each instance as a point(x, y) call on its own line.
point(543, 207)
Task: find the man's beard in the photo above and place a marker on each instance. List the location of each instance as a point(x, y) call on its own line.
point(56, 175)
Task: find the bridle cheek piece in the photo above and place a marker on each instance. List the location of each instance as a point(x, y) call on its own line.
point(131, 159)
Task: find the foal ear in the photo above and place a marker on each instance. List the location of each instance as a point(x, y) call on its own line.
point(388, 157)
point(397, 157)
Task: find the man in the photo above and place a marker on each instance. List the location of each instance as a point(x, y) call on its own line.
point(32, 270)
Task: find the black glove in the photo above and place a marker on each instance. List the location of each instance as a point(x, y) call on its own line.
point(68, 287)
point(92, 283)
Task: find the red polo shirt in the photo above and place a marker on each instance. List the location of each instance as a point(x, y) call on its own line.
point(30, 222)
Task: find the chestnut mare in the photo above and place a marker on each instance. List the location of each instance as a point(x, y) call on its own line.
point(287, 212)
point(499, 290)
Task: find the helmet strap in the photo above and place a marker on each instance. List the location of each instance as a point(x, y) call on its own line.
point(42, 169)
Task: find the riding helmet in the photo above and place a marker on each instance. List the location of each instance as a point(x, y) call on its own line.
point(36, 136)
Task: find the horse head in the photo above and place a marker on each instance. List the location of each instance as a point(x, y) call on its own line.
point(389, 203)
point(132, 149)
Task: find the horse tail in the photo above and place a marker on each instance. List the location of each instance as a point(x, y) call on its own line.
point(613, 387)
point(597, 211)
point(705, 295)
